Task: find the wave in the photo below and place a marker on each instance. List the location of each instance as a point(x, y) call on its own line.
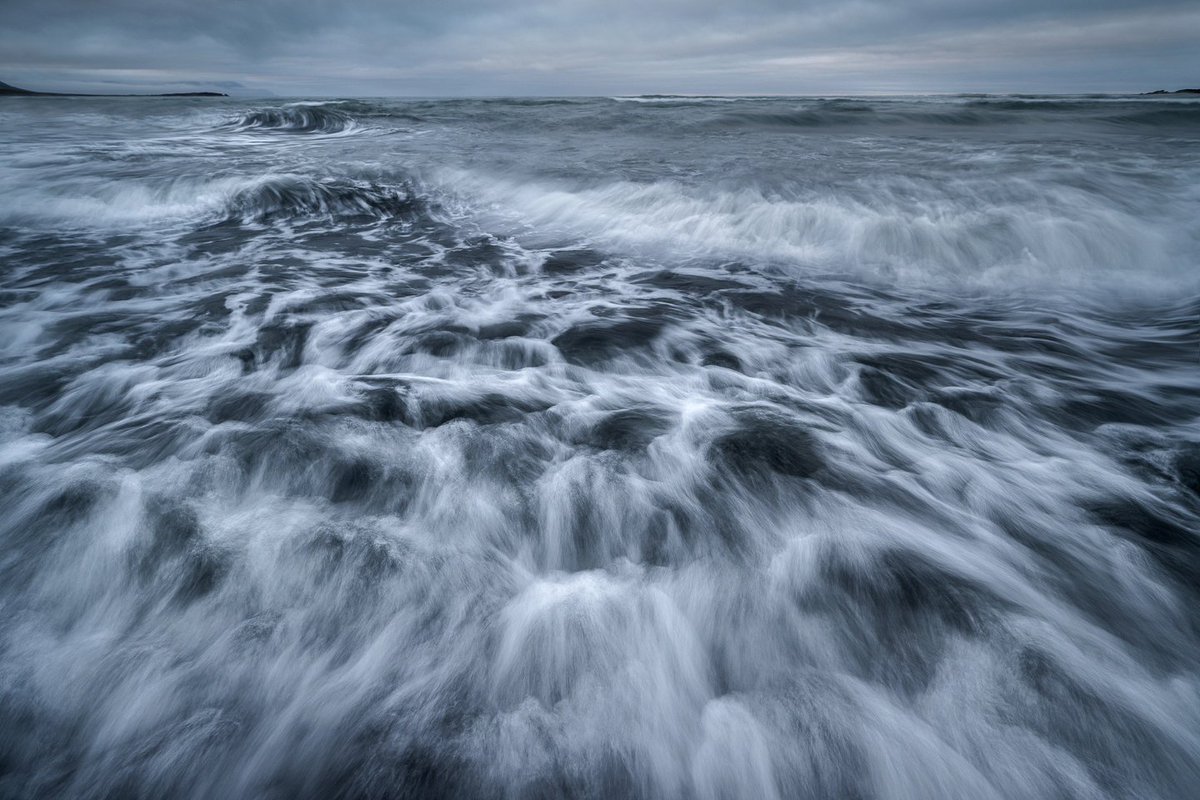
point(789, 119)
point(1149, 113)
point(1184, 116)
point(299, 118)
point(195, 200)
point(975, 112)
point(842, 114)
point(677, 99)
point(292, 196)
point(1001, 235)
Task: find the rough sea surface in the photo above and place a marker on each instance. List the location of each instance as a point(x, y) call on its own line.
point(619, 447)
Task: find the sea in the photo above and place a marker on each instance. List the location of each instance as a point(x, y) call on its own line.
point(629, 447)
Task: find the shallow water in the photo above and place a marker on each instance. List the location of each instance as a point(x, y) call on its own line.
point(652, 447)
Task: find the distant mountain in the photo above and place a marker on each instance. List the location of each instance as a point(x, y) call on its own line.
point(1177, 91)
point(7, 90)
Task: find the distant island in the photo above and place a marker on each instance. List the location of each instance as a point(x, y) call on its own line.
point(1177, 91)
point(11, 91)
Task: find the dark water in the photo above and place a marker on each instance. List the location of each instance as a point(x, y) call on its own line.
point(604, 448)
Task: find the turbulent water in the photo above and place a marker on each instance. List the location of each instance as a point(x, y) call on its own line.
point(623, 447)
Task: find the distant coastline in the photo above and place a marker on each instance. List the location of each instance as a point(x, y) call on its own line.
point(8, 90)
point(12, 91)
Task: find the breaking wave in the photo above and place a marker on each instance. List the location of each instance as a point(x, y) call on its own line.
point(1010, 234)
point(296, 118)
point(289, 196)
point(199, 201)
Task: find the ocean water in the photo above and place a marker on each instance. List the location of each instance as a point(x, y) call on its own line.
point(620, 447)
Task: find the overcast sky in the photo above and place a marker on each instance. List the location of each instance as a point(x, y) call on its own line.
point(588, 47)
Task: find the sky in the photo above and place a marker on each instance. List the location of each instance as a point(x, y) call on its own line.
point(599, 47)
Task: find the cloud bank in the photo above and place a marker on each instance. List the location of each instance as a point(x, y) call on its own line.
point(587, 47)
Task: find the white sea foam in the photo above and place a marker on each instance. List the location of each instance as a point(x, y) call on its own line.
point(1002, 235)
point(332, 477)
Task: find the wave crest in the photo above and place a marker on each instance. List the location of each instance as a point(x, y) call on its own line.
point(296, 119)
point(292, 196)
point(973, 113)
point(1006, 234)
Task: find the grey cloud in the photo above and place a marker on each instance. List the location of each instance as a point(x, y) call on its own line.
point(597, 47)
